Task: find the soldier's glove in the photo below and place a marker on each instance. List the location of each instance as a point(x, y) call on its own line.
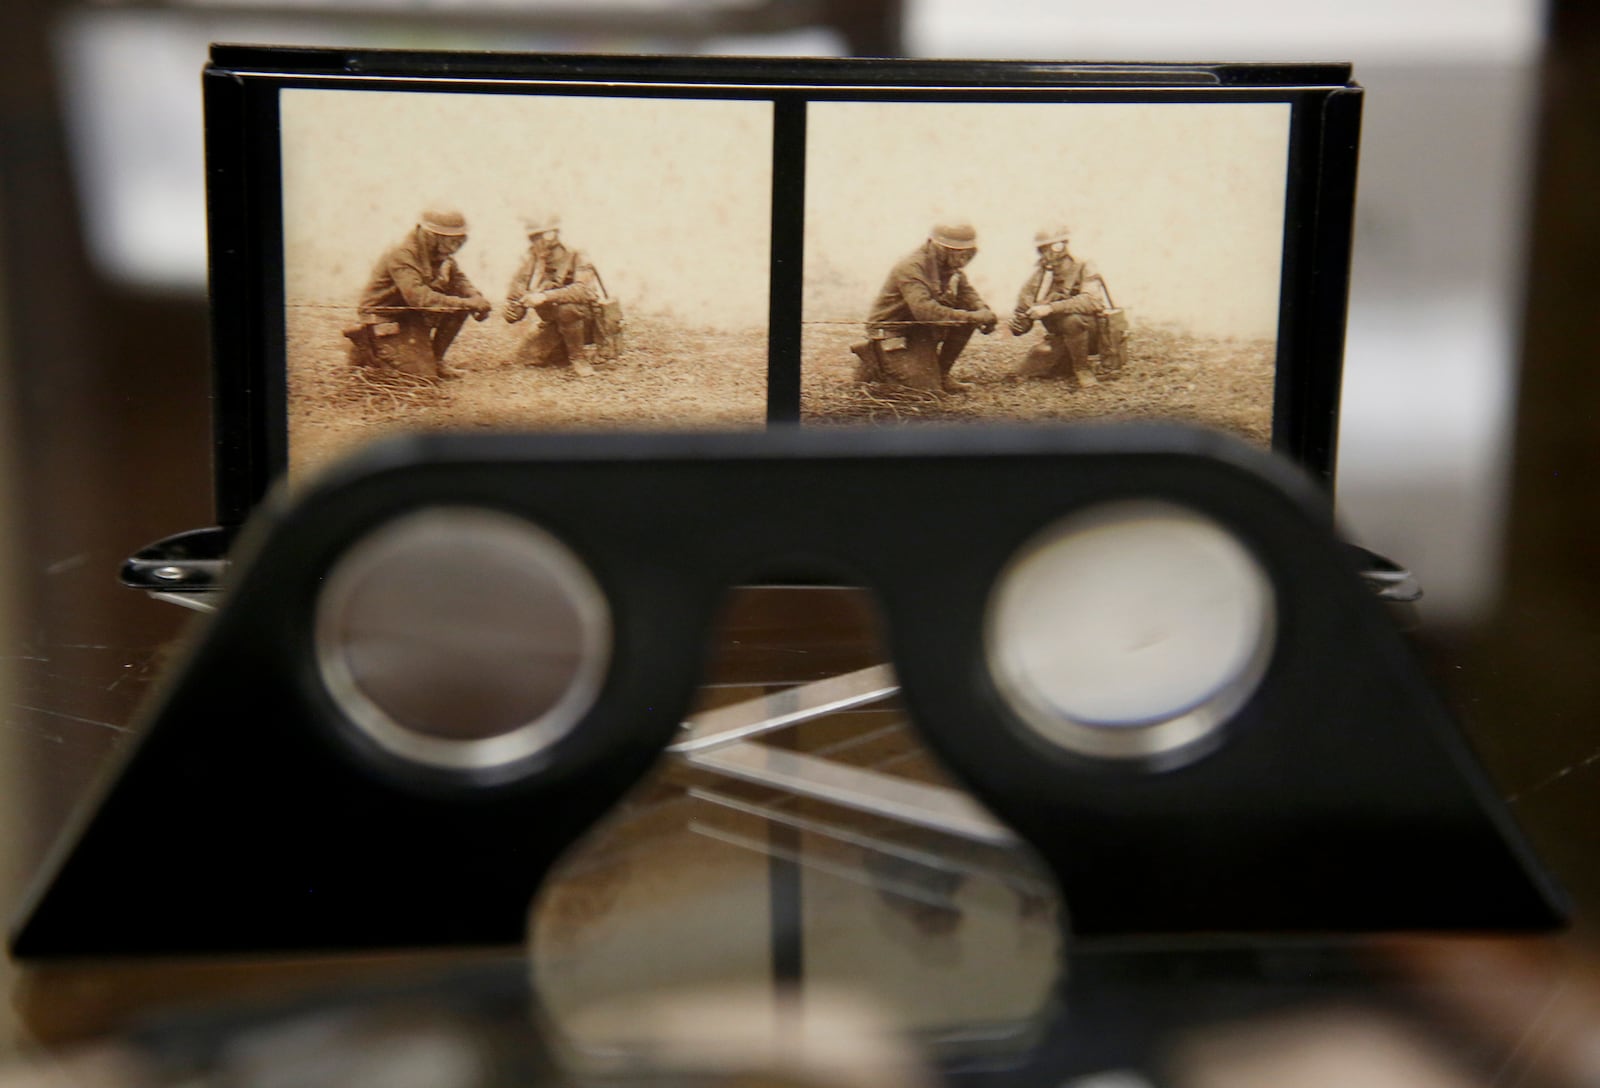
point(514, 311)
point(1040, 311)
point(481, 307)
point(1020, 322)
point(537, 298)
point(982, 318)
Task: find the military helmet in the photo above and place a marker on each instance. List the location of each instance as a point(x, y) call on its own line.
point(538, 224)
point(446, 221)
point(1046, 235)
point(954, 235)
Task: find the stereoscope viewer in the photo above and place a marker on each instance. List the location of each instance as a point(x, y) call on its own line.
point(442, 664)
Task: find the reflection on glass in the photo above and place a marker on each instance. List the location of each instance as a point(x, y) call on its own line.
point(1131, 631)
point(462, 637)
point(844, 873)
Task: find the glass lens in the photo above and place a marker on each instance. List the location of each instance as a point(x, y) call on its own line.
point(462, 637)
point(1132, 630)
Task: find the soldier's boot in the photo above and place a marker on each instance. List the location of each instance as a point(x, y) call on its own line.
point(445, 328)
point(1075, 343)
point(1075, 364)
point(569, 322)
point(955, 340)
point(449, 373)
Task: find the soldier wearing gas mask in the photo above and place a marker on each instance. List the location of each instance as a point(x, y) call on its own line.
point(925, 314)
point(1064, 294)
point(416, 301)
point(562, 288)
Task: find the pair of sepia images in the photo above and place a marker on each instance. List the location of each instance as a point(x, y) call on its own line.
point(957, 262)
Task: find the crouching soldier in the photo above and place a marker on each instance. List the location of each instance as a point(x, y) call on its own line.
point(562, 288)
point(1064, 294)
point(417, 300)
point(925, 314)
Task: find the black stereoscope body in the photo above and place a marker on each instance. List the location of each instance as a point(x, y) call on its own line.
point(251, 816)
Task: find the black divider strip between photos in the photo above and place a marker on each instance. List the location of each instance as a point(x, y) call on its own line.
point(788, 258)
point(786, 282)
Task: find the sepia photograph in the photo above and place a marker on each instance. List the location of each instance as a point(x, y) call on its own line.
point(481, 260)
point(1034, 261)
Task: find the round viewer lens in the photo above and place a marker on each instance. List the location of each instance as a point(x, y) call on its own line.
point(462, 637)
point(1131, 630)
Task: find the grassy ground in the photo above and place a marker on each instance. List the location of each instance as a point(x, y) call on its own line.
point(667, 375)
point(1168, 376)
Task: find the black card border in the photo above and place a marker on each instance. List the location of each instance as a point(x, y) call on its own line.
point(244, 199)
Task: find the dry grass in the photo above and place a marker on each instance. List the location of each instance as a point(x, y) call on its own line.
point(670, 375)
point(667, 375)
point(1168, 375)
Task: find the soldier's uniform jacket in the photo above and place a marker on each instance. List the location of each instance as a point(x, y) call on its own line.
point(564, 275)
point(917, 291)
point(410, 275)
point(1057, 283)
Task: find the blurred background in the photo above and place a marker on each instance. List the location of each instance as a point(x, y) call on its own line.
point(104, 365)
point(104, 210)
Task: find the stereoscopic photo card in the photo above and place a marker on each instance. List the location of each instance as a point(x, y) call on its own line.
point(406, 240)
